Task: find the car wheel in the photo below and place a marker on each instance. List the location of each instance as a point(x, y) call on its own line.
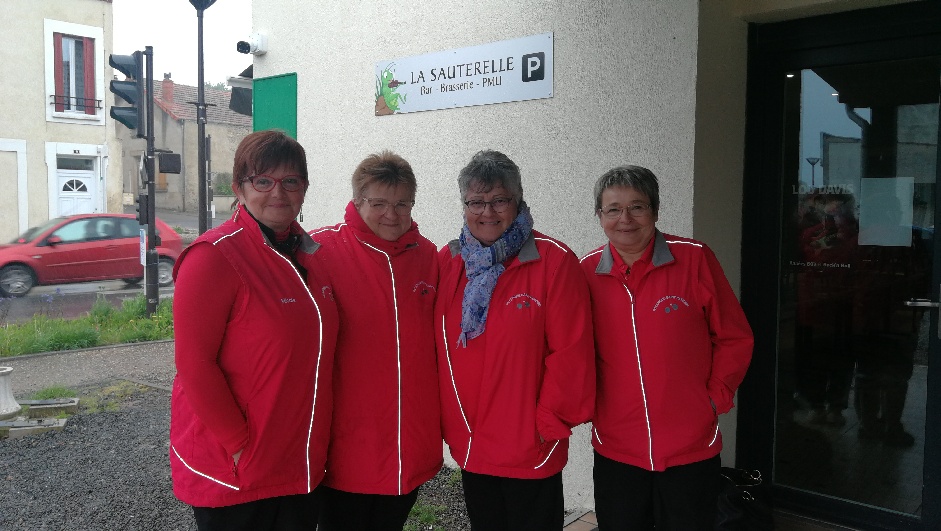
point(164, 272)
point(16, 280)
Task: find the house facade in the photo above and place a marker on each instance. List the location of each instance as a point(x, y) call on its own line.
point(56, 140)
point(176, 129)
point(768, 122)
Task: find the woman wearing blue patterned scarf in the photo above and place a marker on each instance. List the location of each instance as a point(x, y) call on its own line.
point(515, 353)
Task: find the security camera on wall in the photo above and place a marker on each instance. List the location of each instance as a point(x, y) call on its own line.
point(257, 44)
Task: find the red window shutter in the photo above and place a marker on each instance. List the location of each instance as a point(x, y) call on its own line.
point(89, 59)
point(59, 91)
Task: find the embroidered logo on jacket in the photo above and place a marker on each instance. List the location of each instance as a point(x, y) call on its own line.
point(423, 288)
point(669, 303)
point(287, 301)
point(522, 301)
point(327, 292)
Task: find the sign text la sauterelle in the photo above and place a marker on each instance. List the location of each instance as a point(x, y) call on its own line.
point(513, 70)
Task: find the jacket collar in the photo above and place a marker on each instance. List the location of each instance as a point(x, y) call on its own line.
point(661, 255)
point(245, 220)
point(363, 233)
point(527, 253)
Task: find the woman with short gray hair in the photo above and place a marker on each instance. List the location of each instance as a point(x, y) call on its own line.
point(672, 346)
point(515, 354)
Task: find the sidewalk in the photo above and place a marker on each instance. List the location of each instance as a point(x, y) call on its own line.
point(147, 363)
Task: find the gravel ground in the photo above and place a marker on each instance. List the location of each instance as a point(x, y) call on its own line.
point(105, 470)
point(108, 469)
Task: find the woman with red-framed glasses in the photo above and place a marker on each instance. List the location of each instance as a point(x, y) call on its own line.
point(255, 328)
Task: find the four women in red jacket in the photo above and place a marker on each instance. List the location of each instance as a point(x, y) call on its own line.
point(492, 343)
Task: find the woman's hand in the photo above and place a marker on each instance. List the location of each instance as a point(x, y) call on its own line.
point(236, 456)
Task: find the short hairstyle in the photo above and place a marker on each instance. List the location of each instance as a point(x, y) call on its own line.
point(488, 169)
point(628, 176)
point(262, 151)
point(384, 168)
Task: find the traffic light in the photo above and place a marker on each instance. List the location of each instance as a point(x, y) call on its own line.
point(143, 217)
point(131, 91)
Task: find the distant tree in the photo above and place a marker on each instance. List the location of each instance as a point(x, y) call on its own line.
point(218, 86)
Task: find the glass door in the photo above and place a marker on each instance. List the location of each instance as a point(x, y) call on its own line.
point(857, 311)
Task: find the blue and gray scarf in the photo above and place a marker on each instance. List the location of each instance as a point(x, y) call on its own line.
point(484, 266)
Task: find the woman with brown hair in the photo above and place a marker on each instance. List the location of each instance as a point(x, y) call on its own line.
point(255, 330)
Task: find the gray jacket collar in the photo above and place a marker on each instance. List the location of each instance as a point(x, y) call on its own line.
point(661, 255)
point(527, 253)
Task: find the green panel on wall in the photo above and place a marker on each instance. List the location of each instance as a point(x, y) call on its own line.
point(274, 102)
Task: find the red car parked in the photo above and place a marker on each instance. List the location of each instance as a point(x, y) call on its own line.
point(82, 248)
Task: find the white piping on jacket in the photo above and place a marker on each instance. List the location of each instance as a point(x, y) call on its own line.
point(228, 236)
point(447, 355)
point(198, 473)
point(398, 358)
point(467, 455)
point(694, 244)
point(325, 229)
point(716, 434)
point(593, 253)
point(546, 460)
point(564, 250)
point(313, 407)
point(596, 435)
point(640, 372)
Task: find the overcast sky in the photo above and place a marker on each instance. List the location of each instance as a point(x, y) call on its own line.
point(170, 26)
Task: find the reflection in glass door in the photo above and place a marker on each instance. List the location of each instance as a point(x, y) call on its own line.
point(861, 149)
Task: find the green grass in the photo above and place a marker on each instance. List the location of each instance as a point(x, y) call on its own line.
point(422, 516)
point(455, 478)
point(109, 398)
point(50, 393)
point(103, 325)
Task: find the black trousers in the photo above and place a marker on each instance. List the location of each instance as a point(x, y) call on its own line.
point(678, 498)
point(507, 504)
point(349, 511)
point(298, 512)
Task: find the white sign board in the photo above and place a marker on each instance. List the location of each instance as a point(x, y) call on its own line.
point(143, 246)
point(513, 70)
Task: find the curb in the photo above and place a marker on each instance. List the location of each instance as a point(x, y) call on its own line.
point(87, 349)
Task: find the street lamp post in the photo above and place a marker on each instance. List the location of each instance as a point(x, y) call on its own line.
point(203, 188)
point(813, 164)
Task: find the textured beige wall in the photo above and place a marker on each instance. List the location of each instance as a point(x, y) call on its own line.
point(614, 102)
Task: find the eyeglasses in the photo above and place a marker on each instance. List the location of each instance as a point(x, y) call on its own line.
point(636, 210)
point(381, 206)
point(498, 204)
point(264, 183)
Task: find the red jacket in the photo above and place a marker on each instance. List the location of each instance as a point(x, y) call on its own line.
point(254, 356)
point(672, 347)
point(530, 374)
point(386, 436)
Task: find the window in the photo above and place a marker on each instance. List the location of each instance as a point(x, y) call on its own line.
point(77, 231)
point(72, 163)
point(74, 74)
point(74, 185)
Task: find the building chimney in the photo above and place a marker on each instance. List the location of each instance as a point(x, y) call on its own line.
point(167, 88)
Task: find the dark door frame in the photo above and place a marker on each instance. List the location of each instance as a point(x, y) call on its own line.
point(870, 35)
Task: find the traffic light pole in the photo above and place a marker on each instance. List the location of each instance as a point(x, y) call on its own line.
point(201, 130)
point(151, 291)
